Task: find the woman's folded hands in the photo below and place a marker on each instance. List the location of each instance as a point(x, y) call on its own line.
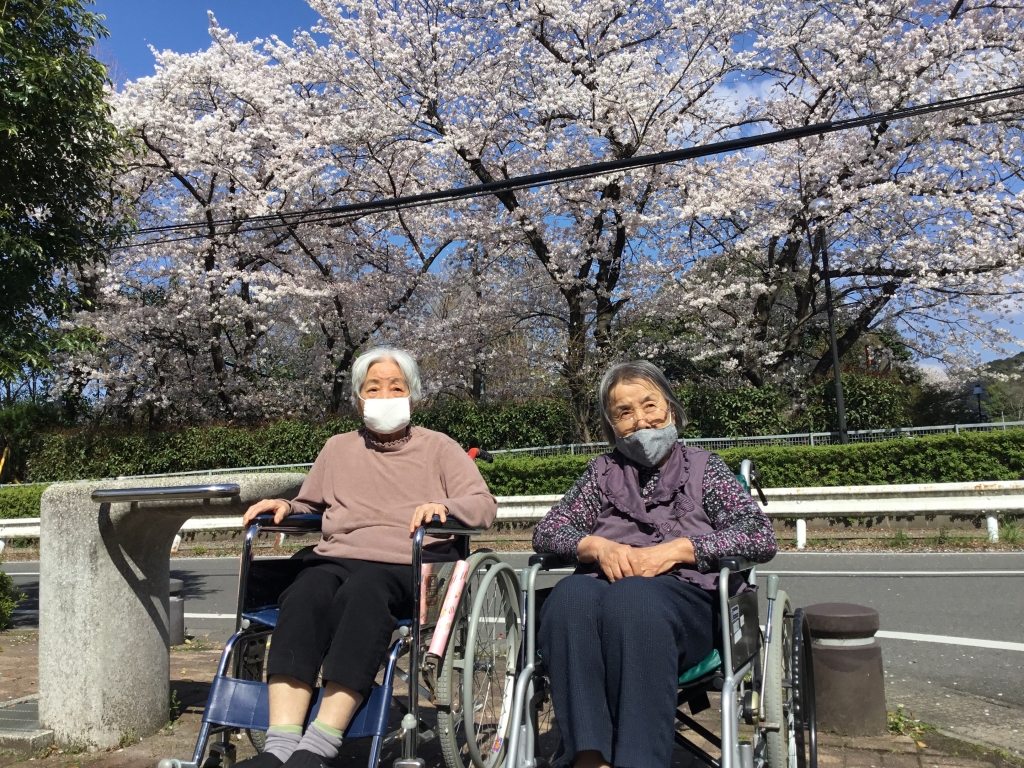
point(618, 561)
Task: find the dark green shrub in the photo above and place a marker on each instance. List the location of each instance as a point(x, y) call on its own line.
point(9, 598)
point(872, 401)
point(20, 501)
point(730, 412)
point(501, 424)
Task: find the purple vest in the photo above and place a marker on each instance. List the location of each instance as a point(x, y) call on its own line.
point(672, 511)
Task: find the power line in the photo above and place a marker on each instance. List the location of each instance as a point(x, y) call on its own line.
point(352, 211)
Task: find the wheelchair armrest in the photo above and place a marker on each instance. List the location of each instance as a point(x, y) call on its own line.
point(550, 560)
point(452, 527)
point(299, 523)
point(735, 563)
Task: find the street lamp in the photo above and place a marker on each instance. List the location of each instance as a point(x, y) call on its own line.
point(977, 393)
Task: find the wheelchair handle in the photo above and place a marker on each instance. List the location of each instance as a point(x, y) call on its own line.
point(773, 586)
point(450, 526)
point(170, 493)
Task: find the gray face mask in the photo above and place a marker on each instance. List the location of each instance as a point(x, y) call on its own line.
point(648, 446)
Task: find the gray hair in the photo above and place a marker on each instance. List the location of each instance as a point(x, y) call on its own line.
point(399, 357)
point(638, 370)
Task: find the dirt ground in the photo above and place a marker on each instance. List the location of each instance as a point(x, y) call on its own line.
point(193, 666)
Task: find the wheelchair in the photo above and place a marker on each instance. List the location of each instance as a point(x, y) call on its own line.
point(763, 675)
point(462, 655)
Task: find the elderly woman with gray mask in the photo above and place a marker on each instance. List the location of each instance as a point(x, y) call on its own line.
point(646, 524)
point(374, 487)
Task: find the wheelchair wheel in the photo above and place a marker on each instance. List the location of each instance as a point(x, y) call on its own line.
point(778, 690)
point(805, 718)
point(477, 676)
point(250, 667)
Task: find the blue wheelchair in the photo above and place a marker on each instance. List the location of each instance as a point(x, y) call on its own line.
point(762, 675)
point(468, 674)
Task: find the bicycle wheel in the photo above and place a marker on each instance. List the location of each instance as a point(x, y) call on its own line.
point(477, 676)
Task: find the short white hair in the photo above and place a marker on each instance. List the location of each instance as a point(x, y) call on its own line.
point(399, 357)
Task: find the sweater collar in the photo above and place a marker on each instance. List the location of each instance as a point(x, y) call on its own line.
point(389, 447)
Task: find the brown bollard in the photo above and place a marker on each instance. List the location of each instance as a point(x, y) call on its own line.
point(848, 683)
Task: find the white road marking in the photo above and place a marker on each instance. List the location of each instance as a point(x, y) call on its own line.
point(971, 642)
point(943, 574)
point(187, 615)
point(22, 573)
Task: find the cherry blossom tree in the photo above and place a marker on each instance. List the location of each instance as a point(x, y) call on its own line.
point(920, 220)
point(719, 262)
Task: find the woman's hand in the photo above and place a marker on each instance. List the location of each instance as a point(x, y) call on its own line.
point(424, 513)
point(279, 507)
point(661, 558)
point(614, 558)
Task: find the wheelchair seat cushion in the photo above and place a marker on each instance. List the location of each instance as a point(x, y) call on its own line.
point(708, 664)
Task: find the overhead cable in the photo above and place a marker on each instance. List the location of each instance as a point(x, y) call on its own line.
point(351, 211)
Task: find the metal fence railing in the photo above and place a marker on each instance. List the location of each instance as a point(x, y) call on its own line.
point(796, 438)
point(708, 443)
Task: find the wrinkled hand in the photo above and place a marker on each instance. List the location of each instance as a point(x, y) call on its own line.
point(661, 558)
point(424, 513)
point(612, 557)
point(279, 507)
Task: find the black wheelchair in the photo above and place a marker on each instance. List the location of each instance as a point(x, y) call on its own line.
point(462, 656)
point(763, 676)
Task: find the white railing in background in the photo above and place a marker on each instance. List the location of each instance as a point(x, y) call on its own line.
point(988, 499)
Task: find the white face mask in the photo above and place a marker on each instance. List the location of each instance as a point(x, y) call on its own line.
point(386, 415)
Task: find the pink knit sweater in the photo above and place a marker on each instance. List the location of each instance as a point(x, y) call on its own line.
point(367, 493)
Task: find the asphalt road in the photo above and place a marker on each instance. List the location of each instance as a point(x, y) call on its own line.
point(955, 598)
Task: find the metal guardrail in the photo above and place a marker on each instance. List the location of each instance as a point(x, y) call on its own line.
point(988, 499)
point(795, 438)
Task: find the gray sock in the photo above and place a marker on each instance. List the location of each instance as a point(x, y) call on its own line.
point(282, 740)
point(321, 739)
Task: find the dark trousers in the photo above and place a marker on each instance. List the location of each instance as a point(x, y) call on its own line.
point(613, 652)
point(339, 614)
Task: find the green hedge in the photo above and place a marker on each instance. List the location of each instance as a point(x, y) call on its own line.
point(939, 459)
point(20, 502)
point(105, 452)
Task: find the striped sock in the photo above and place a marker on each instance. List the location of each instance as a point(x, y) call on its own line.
point(321, 739)
point(282, 740)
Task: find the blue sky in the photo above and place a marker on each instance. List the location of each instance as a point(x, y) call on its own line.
point(181, 25)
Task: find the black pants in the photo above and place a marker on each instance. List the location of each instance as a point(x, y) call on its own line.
point(613, 654)
point(339, 614)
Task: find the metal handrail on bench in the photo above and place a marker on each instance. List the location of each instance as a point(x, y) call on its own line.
point(170, 493)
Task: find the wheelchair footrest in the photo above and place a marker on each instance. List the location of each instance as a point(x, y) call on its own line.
point(246, 704)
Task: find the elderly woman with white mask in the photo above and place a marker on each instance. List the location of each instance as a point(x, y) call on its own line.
point(374, 487)
point(647, 524)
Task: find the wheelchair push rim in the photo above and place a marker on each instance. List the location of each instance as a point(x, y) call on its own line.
point(485, 640)
point(805, 719)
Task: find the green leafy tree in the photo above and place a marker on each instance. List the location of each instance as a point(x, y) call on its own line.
point(57, 147)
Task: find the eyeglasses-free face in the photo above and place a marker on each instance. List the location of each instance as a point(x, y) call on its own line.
point(637, 405)
point(384, 379)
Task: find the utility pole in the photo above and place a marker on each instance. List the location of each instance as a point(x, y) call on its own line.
point(844, 437)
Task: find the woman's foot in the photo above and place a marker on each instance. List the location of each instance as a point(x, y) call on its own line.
point(302, 758)
point(262, 760)
point(590, 758)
